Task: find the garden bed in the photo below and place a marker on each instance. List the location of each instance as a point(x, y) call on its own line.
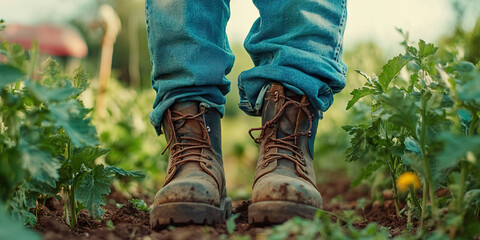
point(127, 222)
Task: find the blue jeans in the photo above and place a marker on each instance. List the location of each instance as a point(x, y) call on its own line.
point(295, 42)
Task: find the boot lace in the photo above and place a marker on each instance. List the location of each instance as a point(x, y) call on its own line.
point(288, 143)
point(182, 148)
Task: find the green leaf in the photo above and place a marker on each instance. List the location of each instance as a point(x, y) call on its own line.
point(413, 66)
point(456, 147)
point(16, 55)
point(39, 187)
point(81, 78)
point(391, 70)
point(21, 204)
point(360, 141)
point(369, 80)
point(122, 172)
point(465, 119)
point(46, 95)
point(359, 93)
point(412, 146)
point(463, 67)
point(11, 229)
point(414, 161)
point(402, 108)
point(140, 205)
point(367, 172)
point(9, 74)
point(71, 116)
point(39, 163)
point(472, 198)
point(231, 223)
point(87, 156)
point(469, 87)
point(91, 189)
point(425, 50)
point(51, 71)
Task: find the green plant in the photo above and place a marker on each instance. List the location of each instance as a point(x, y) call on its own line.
point(11, 229)
point(110, 225)
point(128, 134)
point(321, 227)
point(48, 146)
point(230, 224)
point(140, 205)
point(421, 105)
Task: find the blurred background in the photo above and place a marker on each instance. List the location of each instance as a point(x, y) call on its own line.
point(108, 38)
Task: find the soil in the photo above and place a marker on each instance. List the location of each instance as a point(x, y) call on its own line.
point(127, 222)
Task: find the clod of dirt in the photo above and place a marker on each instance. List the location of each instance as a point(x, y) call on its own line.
point(384, 214)
point(129, 214)
point(52, 225)
point(387, 194)
point(54, 204)
point(242, 219)
point(242, 211)
point(86, 223)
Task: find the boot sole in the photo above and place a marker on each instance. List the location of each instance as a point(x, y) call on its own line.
point(275, 212)
point(184, 213)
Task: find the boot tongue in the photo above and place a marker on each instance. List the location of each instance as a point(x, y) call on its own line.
point(288, 120)
point(191, 127)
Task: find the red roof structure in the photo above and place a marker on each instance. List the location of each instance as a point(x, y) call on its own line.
point(51, 39)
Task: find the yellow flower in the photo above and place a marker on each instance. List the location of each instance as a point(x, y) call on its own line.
point(406, 180)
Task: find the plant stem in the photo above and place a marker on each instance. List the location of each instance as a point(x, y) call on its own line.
point(472, 129)
point(393, 170)
point(65, 208)
point(459, 198)
point(461, 189)
point(424, 204)
point(426, 162)
point(395, 193)
point(414, 198)
point(71, 193)
point(73, 208)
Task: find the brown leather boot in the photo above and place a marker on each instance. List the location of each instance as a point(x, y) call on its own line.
point(284, 184)
point(194, 190)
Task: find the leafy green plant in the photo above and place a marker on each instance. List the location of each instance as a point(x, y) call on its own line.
point(424, 117)
point(48, 146)
point(231, 223)
point(129, 135)
point(140, 205)
point(110, 225)
point(11, 229)
point(321, 227)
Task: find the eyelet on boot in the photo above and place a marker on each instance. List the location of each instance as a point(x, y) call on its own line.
point(266, 164)
point(275, 96)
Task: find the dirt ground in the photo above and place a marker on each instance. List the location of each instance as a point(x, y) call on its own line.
point(131, 223)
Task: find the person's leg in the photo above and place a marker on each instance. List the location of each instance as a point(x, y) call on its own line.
point(190, 56)
point(296, 46)
point(189, 52)
point(299, 44)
